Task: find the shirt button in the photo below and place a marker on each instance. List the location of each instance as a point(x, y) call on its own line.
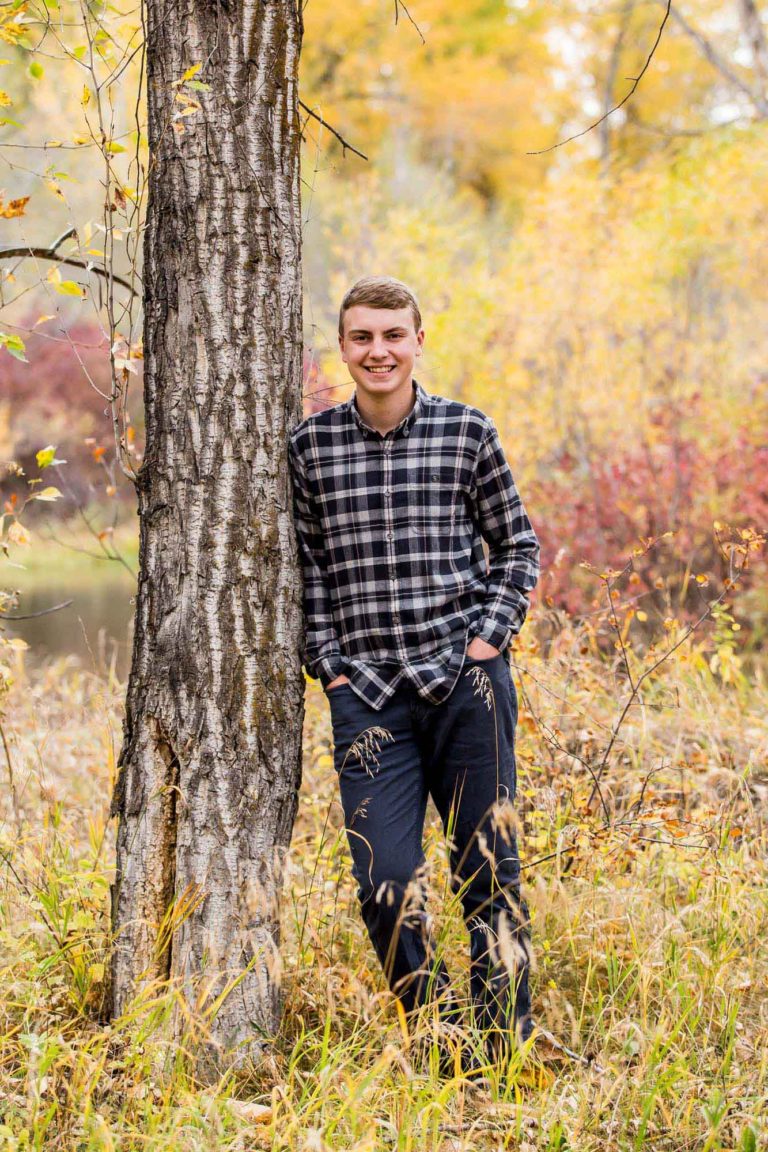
point(389, 535)
point(387, 492)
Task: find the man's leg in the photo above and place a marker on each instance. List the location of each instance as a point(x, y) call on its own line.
point(384, 795)
point(471, 774)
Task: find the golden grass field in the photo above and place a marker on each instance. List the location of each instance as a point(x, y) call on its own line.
point(649, 933)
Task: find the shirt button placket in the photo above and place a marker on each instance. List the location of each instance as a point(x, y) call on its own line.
point(389, 534)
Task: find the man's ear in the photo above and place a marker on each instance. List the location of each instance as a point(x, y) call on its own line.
point(341, 349)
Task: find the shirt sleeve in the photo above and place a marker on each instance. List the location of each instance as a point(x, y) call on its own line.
point(322, 655)
point(513, 560)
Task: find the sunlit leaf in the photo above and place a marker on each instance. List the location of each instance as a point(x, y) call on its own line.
point(47, 456)
point(47, 494)
point(14, 345)
point(190, 72)
point(70, 288)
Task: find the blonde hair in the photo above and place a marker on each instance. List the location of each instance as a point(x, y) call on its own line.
point(380, 292)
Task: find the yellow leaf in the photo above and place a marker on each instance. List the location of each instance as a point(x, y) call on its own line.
point(5, 100)
point(46, 456)
point(70, 288)
point(80, 139)
point(42, 319)
point(47, 494)
point(17, 643)
point(641, 615)
point(86, 95)
point(112, 147)
point(190, 72)
point(96, 973)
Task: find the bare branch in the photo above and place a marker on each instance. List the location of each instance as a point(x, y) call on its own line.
point(33, 615)
point(633, 89)
point(338, 135)
point(398, 5)
point(72, 261)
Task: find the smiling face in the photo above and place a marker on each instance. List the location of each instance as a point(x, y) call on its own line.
point(380, 347)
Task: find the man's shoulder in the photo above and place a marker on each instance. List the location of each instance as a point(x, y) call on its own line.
point(317, 422)
point(444, 408)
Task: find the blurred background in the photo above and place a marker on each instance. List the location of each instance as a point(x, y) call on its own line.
point(603, 298)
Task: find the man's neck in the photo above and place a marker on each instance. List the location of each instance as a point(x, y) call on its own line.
point(383, 413)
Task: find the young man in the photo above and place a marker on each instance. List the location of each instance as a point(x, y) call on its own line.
point(407, 629)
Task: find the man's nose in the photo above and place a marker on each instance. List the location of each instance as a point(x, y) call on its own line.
point(379, 348)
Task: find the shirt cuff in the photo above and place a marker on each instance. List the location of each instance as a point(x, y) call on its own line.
point(488, 629)
point(329, 667)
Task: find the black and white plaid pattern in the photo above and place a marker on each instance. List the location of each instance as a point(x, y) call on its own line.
point(389, 529)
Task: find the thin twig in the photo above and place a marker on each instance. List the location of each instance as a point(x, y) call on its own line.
point(344, 144)
point(633, 89)
point(43, 612)
point(398, 5)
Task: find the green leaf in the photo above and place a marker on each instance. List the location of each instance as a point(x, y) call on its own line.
point(14, 345)
point(36, 70)
point(748, 1141)
point(47, 494)
point(199, 85)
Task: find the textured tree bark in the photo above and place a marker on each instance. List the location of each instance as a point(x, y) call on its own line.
point(211, 759)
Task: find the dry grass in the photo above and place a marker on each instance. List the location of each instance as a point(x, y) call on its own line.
point(649, 937)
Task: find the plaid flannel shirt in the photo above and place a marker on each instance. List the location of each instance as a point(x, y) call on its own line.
point(389, 529)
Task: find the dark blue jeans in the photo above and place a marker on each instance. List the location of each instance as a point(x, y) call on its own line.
point(461, 752)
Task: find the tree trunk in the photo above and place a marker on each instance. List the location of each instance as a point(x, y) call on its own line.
point(211, 759)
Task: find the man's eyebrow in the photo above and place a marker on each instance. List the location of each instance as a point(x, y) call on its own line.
point(366, 332)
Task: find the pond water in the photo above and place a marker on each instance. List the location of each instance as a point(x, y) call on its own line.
point(97, 626)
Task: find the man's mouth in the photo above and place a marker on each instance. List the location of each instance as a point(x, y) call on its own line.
point(381, 369)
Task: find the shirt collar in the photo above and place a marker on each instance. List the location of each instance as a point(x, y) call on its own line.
point(405, 425)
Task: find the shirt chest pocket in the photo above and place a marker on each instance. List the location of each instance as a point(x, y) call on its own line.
point(434, 499)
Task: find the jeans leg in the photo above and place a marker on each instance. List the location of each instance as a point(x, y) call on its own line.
point(384, 796)
point(472, 778)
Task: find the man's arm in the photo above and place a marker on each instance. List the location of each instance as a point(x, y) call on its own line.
point(513, 546)
point(323, 658)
